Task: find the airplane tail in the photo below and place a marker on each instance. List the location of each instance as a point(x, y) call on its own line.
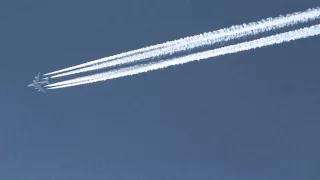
point(46, 80)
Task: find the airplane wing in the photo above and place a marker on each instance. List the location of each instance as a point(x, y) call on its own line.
point(40, 89)
point(37, 78)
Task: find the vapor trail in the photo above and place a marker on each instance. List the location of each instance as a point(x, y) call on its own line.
point(137, 69)
point(192, 42)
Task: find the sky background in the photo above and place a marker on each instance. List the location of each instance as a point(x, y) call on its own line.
point(246, 116)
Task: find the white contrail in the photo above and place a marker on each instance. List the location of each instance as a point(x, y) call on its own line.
point(188, 43)
point(137, 69)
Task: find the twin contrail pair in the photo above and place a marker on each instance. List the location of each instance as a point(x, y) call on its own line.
point(147, 54)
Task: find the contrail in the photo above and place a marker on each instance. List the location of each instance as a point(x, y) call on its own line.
point(137, 69)
point(192, 42)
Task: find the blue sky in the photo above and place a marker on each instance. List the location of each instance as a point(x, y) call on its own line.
point(251, 115)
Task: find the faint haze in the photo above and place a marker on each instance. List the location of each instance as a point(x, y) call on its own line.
point(251, 115)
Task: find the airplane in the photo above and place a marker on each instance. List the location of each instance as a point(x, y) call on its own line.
point(37, 82)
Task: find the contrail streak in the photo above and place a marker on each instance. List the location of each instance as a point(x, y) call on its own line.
point(137, 69)
point(192, 42)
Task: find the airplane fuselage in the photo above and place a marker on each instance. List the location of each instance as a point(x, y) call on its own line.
point(35, 83)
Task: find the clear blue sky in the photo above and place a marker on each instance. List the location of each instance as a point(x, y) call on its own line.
point(247, 116)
